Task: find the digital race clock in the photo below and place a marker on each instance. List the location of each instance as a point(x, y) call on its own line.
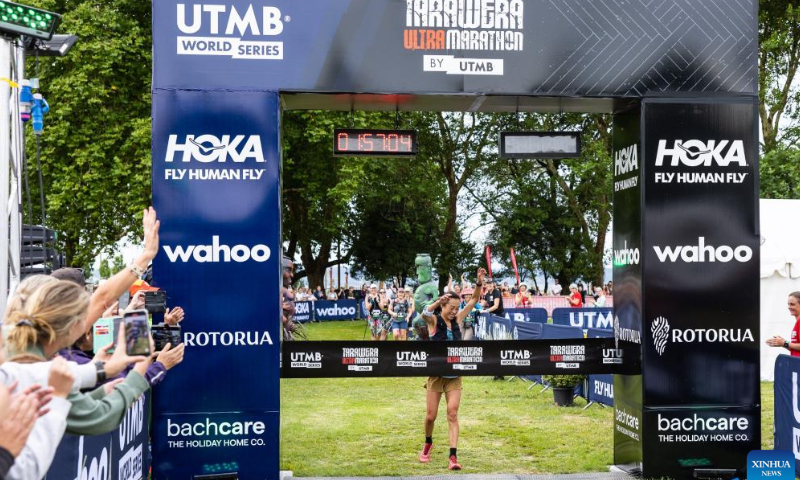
point(349, 142)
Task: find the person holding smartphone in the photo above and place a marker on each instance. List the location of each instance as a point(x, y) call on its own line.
point(445, 326)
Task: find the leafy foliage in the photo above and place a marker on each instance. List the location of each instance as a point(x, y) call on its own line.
point(95, 149)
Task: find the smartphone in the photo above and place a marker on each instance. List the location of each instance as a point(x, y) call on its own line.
point(164, 334)
point(103, 333)
point(137, 332)
point(155, 301)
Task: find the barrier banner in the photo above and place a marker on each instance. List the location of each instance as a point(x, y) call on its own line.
point(526, 314)
point(601, 389)
point(787, 406)
point(304, 311)
point(561, 331)
point(123, 454)
point(528, 330)
point(337, 359)
point(584, 318)
point(325, 310)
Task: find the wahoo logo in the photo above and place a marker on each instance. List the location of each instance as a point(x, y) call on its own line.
point(662, 334)
point(223, 30)
point(626, 256)
point(209, 148)
point(694, 153)
point(626, 160)
point(306, 360)
point(701, 253)
point(412, 359)
point(216, 253)
point(518, 358)
point(336, 311)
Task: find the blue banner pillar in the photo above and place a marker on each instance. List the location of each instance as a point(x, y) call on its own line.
point(216, 187)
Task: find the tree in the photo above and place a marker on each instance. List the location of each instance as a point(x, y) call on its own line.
point(95, 150)
point(105, 269)
point(778, 59)
point(555, 213)
point(118, 265)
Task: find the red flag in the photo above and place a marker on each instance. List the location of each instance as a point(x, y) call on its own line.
point(489, 260)
point(514, 262)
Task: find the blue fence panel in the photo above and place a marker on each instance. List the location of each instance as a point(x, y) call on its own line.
point(787, 397)
point(584, 318)
point(303, 312)
point(122, 454)
point(325, 310)
point(538, 315)
point(561, 331)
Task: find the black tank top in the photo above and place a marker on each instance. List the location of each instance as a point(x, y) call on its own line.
point(441, 329)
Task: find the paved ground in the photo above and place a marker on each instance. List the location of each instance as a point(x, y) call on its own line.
point(578, 476)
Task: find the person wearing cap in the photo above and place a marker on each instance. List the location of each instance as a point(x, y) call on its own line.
point(600, 298)
point(574, 297)
point(471, 319)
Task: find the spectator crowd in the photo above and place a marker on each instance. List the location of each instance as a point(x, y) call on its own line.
point(52, 378)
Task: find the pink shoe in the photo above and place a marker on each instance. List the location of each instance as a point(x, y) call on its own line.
point(425, 456)
point(454, 465)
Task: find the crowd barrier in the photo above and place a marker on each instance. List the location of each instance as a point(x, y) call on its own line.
point(601, 387)
point(787, 412)
point(584, 318)
point(122, 454)
point(327, 310)
point(551, 302)
point(538, 315)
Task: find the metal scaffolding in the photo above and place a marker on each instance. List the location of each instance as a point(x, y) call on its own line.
point(12, 144)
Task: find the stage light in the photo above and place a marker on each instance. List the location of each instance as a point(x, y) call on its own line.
point(16, 20)
point(58, 46)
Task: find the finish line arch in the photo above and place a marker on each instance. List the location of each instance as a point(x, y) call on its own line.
point(680, 77)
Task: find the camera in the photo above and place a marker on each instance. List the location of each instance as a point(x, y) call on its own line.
point(155, 301)
point(164, 334)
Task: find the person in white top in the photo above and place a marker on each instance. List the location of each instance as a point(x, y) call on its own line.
point(600, 301)
point(556, 288)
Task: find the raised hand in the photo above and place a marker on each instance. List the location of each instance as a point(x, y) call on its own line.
point(481, 276)
point(170, 356)
point(151, 225)
point(111, 311)
point(60, 378)
point(174, 317)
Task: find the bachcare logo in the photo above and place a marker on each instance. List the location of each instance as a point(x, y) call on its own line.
point(663, 334)
point(626, 256)
point(227, 31)
point(217, 252)
point(702, 428)
point(702, 253)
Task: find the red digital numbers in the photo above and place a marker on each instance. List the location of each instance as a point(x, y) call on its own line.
point(378, 142)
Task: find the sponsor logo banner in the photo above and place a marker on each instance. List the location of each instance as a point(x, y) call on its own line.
point(227, 31)
point(118, 454)
point(303, 311)
point(662, 335)
point(584, 318)
point(703, 253)
point(702, 426)
point(787, 407)
point(325, 310)
point(333, 359)
point(207, 157)
point(626, 164)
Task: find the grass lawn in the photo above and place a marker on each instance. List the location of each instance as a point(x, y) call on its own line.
point(373, 427)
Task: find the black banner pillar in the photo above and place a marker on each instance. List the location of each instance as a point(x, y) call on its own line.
point(686, 223)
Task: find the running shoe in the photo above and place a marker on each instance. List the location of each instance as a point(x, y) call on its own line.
point(454, 465)
point(425, 456)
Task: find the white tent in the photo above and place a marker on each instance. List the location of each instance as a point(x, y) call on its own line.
point(780, 274)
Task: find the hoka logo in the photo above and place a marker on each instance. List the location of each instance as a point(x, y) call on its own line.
point(694, 153)
point(208, 148)
point(215, 253)
point(626, 160)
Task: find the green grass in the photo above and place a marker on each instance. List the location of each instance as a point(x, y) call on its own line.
point(373, 427)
